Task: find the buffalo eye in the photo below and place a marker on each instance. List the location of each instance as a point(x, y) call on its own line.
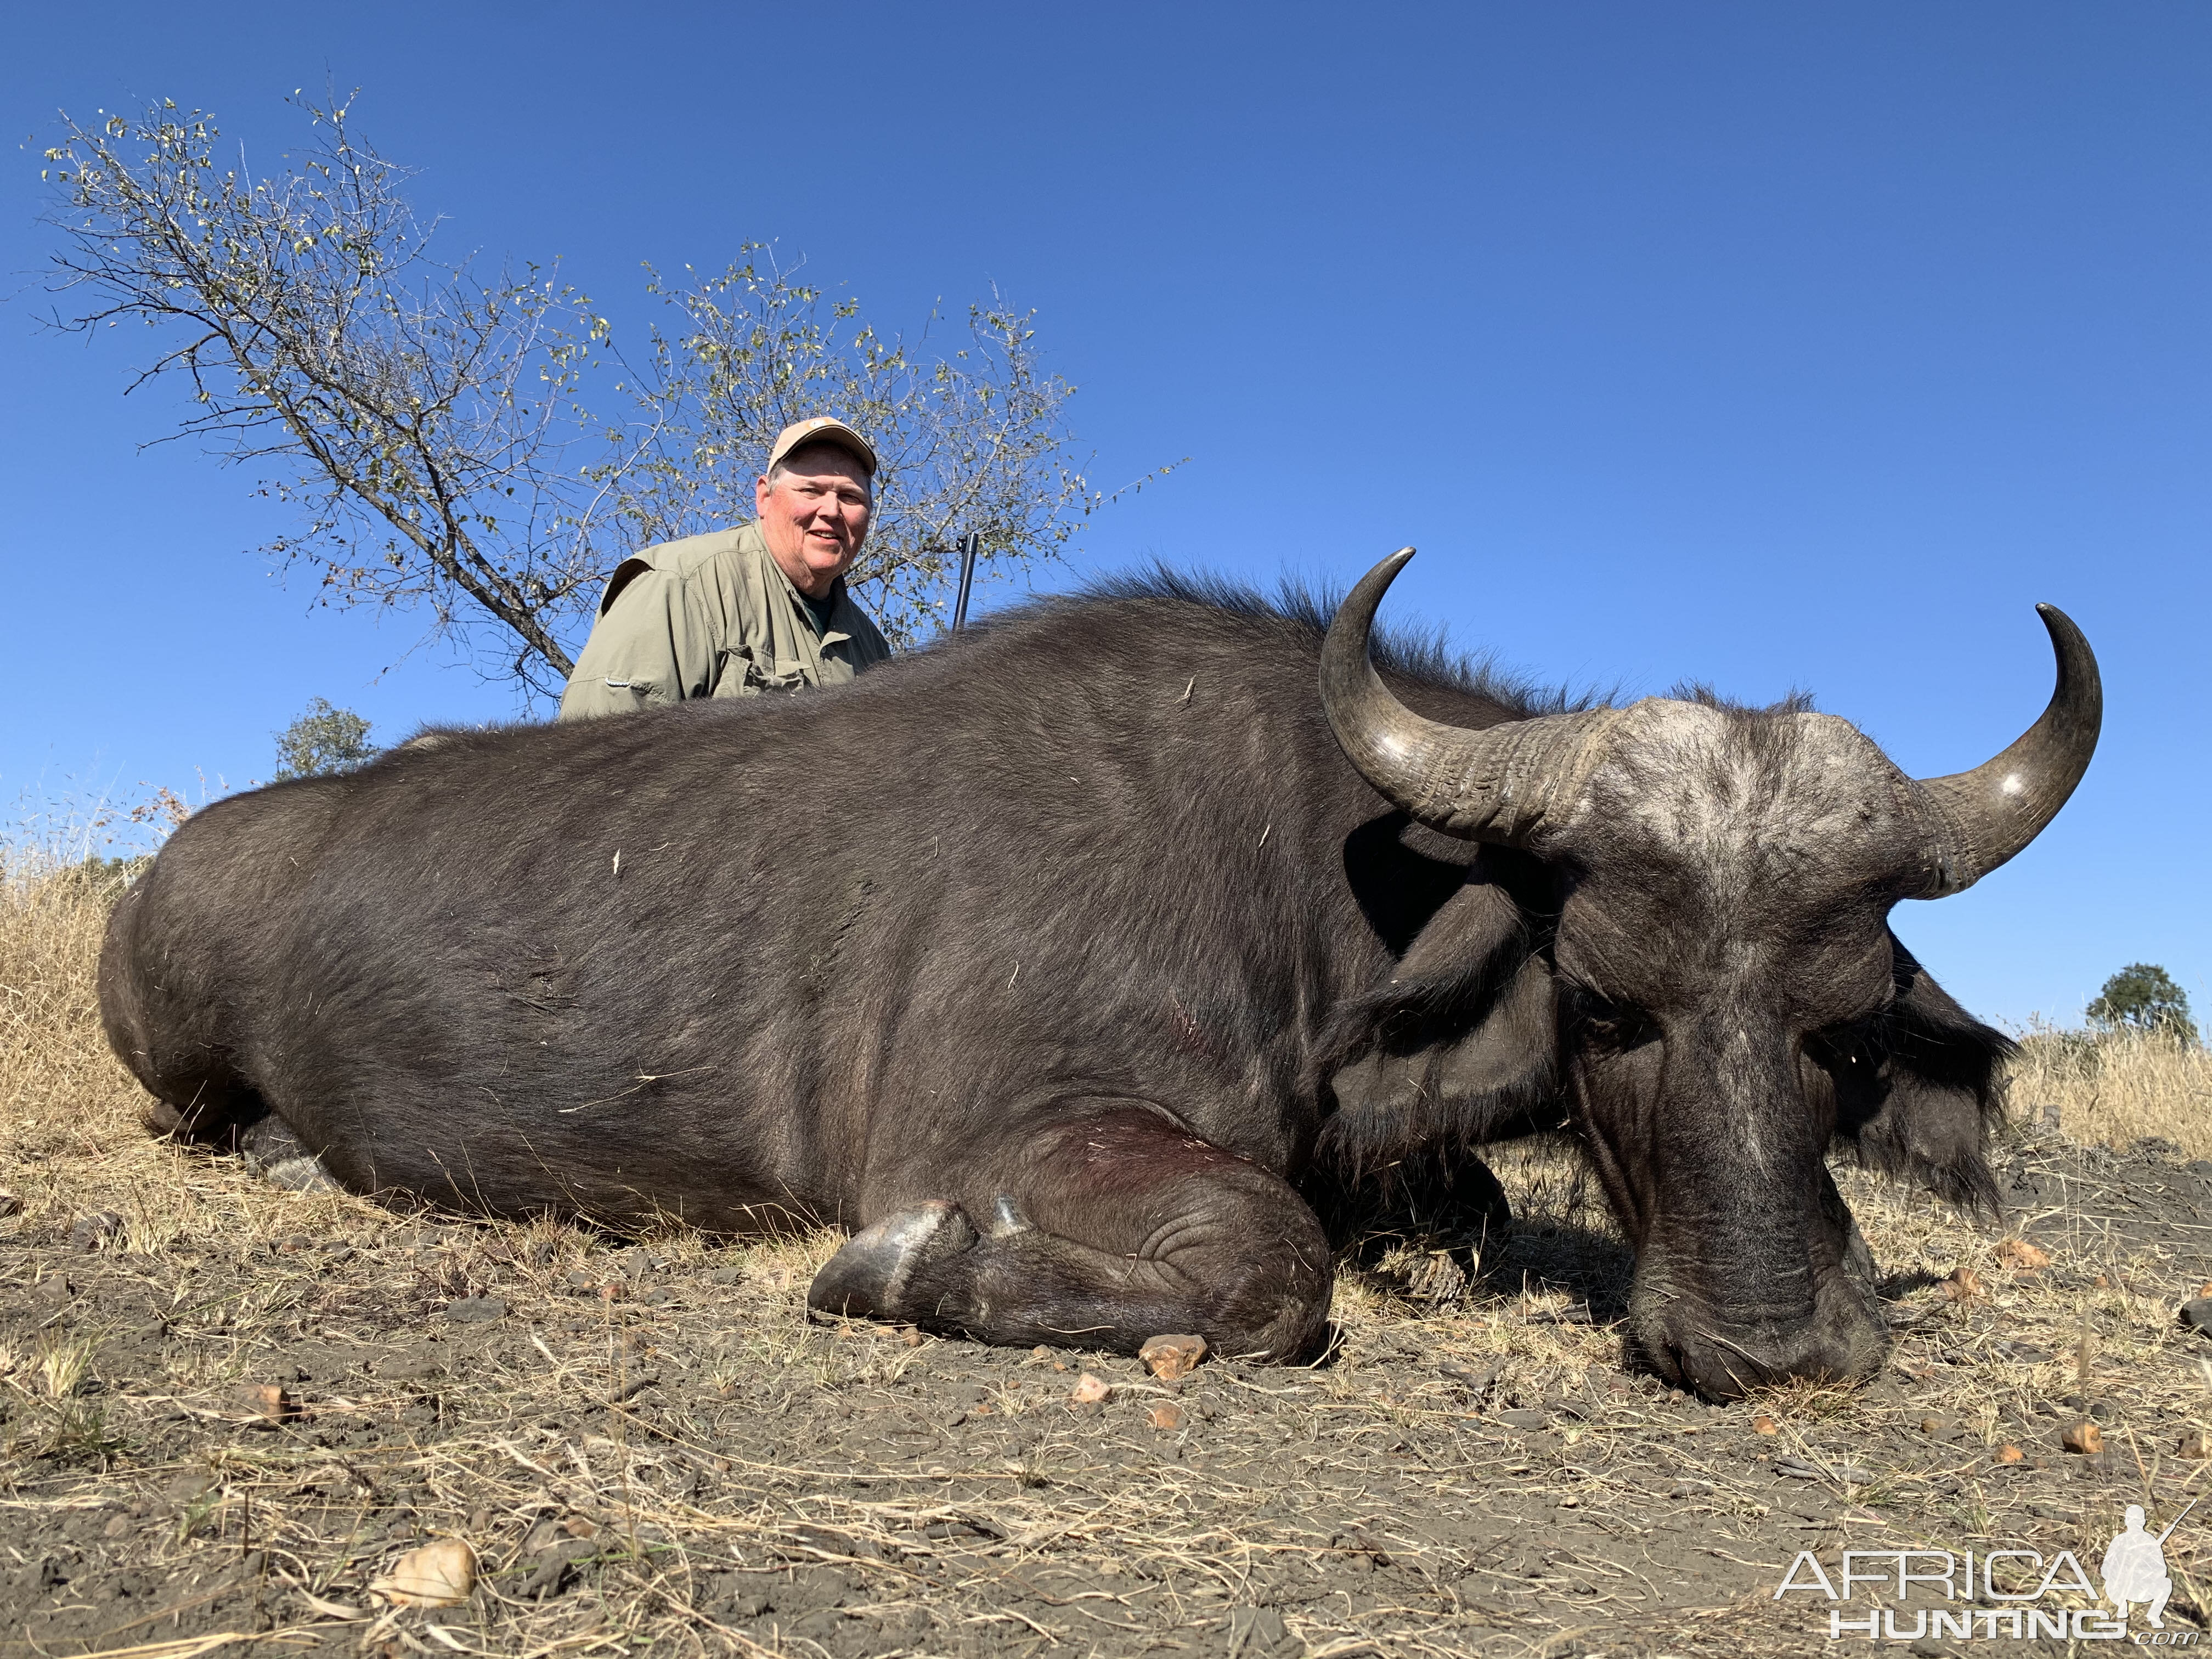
point(1848, 1049)
point(1604, 1022)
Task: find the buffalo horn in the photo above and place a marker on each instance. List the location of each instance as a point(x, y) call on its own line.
point(1989, 814)
point(1492, 785)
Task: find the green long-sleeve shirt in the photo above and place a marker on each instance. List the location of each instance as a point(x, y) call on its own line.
point(714, 616)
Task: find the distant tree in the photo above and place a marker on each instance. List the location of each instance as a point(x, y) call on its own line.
point(2143, 997)
point(321, 741)
point(429, 424)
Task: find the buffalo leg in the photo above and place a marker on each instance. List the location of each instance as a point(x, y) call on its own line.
point(1096, 1229)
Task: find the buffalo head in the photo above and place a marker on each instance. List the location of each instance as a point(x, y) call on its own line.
point(1685, 953)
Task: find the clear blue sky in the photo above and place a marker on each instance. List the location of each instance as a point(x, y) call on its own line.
point(1769, 346)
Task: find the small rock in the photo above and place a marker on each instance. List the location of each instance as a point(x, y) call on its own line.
point(719, 1276)
point(2009, 1453)
point(270, 1401)
point(1090, 1391)
point(1167, 1416)
point(911, 1336)
point(1475, 1383)
point(2022, 1256)
point(92, 1231)
point(2084, 1437)
point(1256, 1630)
point(118, 1526)
point(2194, 1445)
point(409, 1367)
point(580, 1526)
point(746, 1603)
point(1763, 1423)
point(439, 1574)
point(476, 1310)
point(2197, 1314)
point(1171, 1358)
point(1523, 1419)
point(554, 1568)
point(1798, 1469)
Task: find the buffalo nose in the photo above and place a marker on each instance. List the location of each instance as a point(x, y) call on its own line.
point(1725, 1366)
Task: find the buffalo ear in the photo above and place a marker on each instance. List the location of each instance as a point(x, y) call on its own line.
point(1457, 1048)
point(1919, 1097)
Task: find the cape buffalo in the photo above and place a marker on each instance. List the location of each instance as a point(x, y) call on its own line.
point(1072, 963)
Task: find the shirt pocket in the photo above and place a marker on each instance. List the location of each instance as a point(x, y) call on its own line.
point(743, 674)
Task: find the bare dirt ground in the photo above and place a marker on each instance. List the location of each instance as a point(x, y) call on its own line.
point(227, 1410)
point(650, 1447)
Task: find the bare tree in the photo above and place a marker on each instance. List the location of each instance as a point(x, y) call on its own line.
point(419, 416)
point(972, 442)
point(428, 422)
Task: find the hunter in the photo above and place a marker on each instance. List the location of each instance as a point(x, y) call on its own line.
point(760, 608)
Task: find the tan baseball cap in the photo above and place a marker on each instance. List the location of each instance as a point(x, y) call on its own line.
point(824, 429)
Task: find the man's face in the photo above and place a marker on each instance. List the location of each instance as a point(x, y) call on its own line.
point(815, 516)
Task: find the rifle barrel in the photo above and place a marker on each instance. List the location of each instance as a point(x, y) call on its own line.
point(969, 545)
point(2178, 1520)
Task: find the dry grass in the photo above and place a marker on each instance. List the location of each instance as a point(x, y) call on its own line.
point(70, 1139)
point(677, 1499)
point(52, 1059)
point(2114, 1090)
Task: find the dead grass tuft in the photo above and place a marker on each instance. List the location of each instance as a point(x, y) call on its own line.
point(53, 1060)
point(2115, 1089)
point(71, 1144)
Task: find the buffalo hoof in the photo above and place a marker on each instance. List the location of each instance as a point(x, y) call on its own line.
point(868, 1278)
point(300, 1175)
point(275, 1154)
